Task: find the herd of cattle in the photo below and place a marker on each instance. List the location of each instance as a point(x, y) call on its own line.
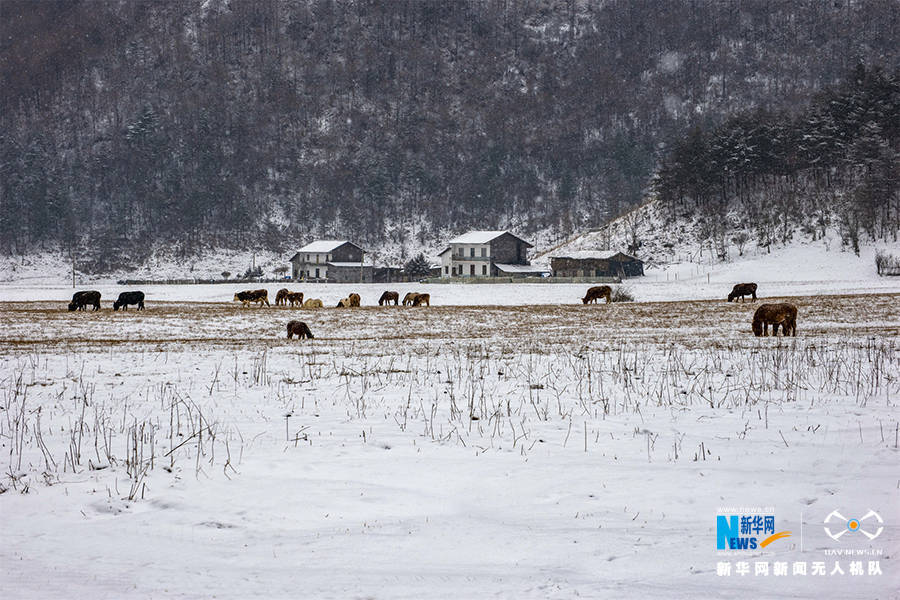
point(81, 300)
point(285, 297)
point(782, 315)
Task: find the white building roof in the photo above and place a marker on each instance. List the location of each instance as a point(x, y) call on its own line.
point(582, 254)
point(322, 246)
point(521, 268)
point(477, 237)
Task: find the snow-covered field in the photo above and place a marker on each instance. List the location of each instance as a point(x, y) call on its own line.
point(505, 442)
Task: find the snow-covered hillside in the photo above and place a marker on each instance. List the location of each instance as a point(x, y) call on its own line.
point(677, 254)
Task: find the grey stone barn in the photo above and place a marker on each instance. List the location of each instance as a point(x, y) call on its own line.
point(487, 254)
point(333, 261)
point(605, 263)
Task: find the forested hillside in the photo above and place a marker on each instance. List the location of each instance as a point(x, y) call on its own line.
point(831, 164)
point(192, 124)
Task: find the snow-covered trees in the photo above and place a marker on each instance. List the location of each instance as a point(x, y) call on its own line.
point(837, 156)
point(208, 122)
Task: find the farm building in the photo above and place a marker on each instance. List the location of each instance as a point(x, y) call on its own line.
point(605, 263)
point(335, 261)
point(487, 254)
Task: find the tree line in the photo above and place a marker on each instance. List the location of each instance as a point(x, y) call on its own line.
point(129, 125)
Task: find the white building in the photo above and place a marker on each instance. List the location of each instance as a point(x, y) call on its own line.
point(487, 254)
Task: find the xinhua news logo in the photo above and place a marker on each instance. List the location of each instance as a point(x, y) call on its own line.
point(746, 531)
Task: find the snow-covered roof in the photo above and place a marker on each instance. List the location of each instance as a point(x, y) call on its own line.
point(481, 237)
point(322, 246)
point(444, 251)
point(521, 268)
point(595, 254)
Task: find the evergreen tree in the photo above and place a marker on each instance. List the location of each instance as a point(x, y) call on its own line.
point(417, 267)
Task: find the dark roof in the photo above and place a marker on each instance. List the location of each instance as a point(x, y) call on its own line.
point(323, 247)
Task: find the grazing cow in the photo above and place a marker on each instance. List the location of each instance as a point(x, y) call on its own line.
point(597, 292)
point(246, 297)
point(354, 299)
point(80, 300)
point(312, 303)
point(742, 289)
point(281, 297)
point(409, 297)
point(421, 299)
point(295, 298)
point(126, 298)
point(387, 297)
point(300, 329)
point(783, 314)
point(343, 303)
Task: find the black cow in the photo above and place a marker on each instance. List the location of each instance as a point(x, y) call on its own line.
point(126, 298)
point(248, 296)
point(80, 300)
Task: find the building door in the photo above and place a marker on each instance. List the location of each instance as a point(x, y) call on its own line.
point(472, 270)
point(317, 273)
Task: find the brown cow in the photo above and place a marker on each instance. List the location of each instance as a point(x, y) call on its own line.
point(248, 296)
point(783, 314)
point(597, 292)
point(742, 289)
point(409, 297)
point(295, 298)
point(300, 329)
point(421, 299)
point(281, 297)
point(387, 297)
point(343, 303)
point(312, 303)
point(354, 299)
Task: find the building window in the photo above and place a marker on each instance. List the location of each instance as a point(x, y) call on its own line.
point(484, 252)
point(317, 273)
point(472, 269)
point(446, 270)
point(471, 251)
point(484, 269)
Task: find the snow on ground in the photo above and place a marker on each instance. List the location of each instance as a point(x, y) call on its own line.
point(543, 451)
point(798, 270)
